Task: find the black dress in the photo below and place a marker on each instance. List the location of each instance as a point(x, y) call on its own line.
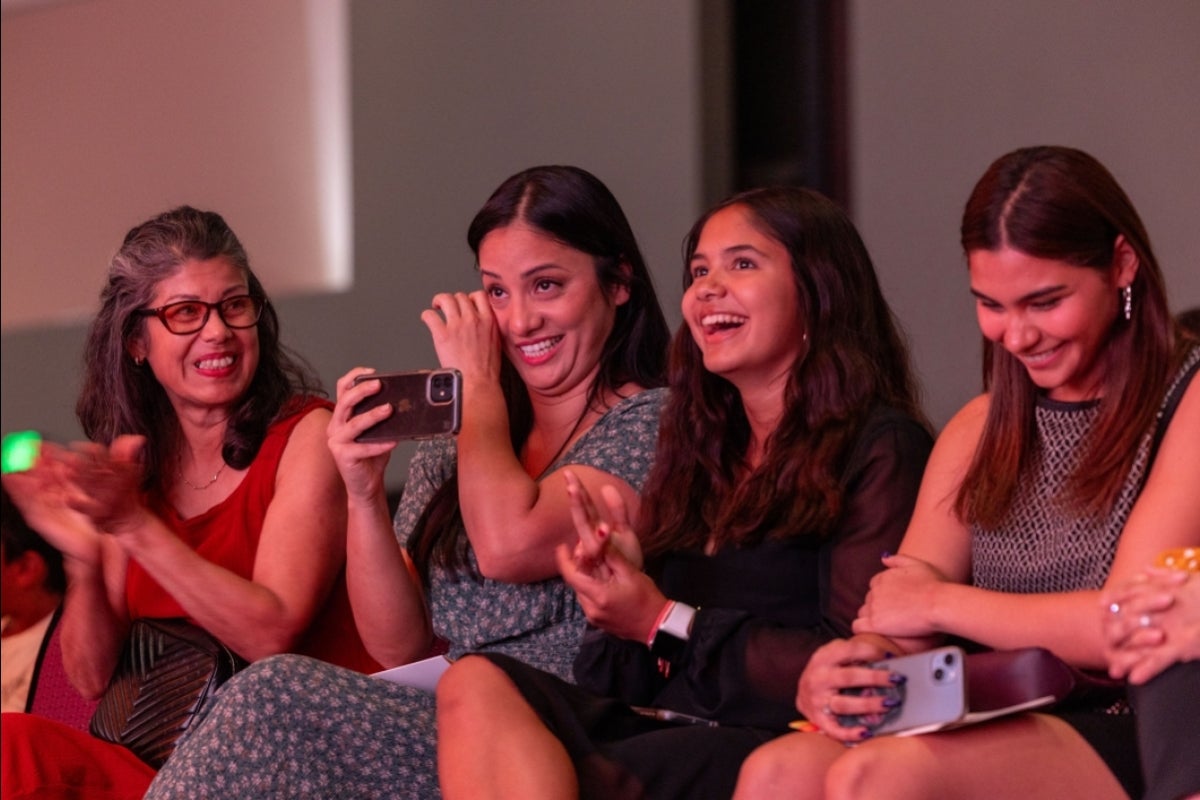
point(764, 609)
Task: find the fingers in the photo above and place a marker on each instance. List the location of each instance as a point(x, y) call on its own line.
point(456, 307)
point(589, 526)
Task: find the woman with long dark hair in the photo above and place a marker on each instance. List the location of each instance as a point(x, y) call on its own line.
point(790, 454)
point(1068, 475)
point(560, 352)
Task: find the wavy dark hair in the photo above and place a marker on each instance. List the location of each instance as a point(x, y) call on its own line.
point(1060, 203)
point(120, 396)
point(856, 360)
point(575, 208)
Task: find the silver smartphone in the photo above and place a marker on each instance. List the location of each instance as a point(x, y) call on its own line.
point(932, 693)
point(426, 404)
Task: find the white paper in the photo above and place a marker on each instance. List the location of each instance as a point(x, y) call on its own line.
point(423, 674)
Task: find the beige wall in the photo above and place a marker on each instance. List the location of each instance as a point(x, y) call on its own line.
point(450, 98)
point(943, 87)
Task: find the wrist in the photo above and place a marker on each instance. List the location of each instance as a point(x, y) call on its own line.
point(672, 631)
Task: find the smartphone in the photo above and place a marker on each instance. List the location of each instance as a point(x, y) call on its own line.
point(426, 404)
point(932, 694)
point(19, 450)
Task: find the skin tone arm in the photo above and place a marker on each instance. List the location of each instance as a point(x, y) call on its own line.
point(385, 592)
point(296, 562)
point(923, 591)
point(513, 519)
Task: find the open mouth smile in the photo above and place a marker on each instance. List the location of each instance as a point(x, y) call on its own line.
point(716, 323)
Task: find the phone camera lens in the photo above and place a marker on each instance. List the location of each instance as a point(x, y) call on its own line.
point(949, 659)
point(939, 674)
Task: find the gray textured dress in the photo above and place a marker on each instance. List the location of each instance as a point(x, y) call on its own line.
point(290, 726)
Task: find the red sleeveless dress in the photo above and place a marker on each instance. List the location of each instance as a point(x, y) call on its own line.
point(42, 758)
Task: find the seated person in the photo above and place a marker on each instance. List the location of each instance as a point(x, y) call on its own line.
point(791, 450)
point(207, 490)
point(1065, 478)
point(31, 588)
point(561, 354)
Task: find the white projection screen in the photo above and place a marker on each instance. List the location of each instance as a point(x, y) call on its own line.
point(115, 110)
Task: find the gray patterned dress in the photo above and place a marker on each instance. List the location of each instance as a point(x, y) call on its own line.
point(292, 727)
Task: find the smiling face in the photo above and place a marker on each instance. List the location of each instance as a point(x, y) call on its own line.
point(1054, 317)
point(552, 312)
point(210, 369)
point(743, 307)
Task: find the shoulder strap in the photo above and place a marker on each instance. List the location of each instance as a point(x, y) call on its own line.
point(1171, 401)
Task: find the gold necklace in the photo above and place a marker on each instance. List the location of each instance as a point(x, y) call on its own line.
point(196, 488)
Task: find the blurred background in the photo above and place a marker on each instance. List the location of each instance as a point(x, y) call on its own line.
point(349, 143)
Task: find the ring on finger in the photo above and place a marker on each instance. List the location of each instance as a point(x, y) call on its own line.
point(1114, 608)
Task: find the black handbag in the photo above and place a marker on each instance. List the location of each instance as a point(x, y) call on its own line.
point(169, 670)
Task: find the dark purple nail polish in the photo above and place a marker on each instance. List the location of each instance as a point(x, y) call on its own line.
point(897, 679)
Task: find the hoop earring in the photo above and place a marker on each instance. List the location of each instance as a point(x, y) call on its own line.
point(1127, 292)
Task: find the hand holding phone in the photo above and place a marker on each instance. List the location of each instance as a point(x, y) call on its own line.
point(930, 693)
point(425, 404)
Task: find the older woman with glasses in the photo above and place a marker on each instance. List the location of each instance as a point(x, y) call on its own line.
point(206, 491)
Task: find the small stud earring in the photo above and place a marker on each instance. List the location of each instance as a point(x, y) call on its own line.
point(138, 360)
point(1128, 294)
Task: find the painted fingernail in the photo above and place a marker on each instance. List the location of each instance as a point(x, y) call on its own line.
point(896, 679)
point(889, 654)
point(886, 554)
point(866, 734)
point(891, 702)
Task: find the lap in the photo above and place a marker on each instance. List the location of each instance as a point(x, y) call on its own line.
point(1031, 755)
point(292, 726)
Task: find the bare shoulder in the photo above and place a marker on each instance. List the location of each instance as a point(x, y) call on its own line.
point(957, 442)
point(307, 445)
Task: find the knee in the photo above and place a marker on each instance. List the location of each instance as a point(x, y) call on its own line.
point(467, 687)
point(862, 772)
point(763, 773)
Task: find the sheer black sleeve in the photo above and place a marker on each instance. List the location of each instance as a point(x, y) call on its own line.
point(741, 664)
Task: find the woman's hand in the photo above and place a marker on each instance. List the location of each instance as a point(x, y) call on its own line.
point(1151, 622)
point(597, 531)
point(901, 597)
point(604, 568)
point(361, 464)
point(103, 483)
point(838, 665)
point(465, 334)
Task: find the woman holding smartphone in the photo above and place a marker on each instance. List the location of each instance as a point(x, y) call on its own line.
point(560, 353)
point(1069, 474)
point(791, 451)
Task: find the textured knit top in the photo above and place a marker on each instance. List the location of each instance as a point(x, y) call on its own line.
point(1040, 546)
